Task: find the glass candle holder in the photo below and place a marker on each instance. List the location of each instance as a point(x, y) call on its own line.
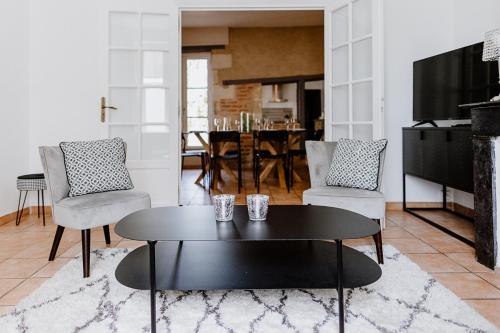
point(217, 124)
point(224, 206)
point(258, 205)
point(226, 124)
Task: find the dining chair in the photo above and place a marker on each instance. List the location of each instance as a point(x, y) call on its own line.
point(264, 141)
point(219, 154)
point(201, 153)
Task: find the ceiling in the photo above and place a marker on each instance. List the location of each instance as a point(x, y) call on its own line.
point(245, 19)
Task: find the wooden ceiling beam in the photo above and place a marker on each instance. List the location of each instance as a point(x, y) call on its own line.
point(277, 80)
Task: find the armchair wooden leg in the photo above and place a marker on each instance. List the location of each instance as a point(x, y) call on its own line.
point(43, 209)
point(38, 203)
point(106, 234)
point(55, 243)
point(86, 252)
point(378, 245)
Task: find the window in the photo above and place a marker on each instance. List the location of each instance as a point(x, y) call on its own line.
point(196, 97)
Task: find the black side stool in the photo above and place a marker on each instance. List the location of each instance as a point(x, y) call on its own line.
point(26, 183)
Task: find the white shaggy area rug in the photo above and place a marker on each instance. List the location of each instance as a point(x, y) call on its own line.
point(405, 299)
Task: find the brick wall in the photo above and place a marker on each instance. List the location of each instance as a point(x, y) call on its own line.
point(244, 98)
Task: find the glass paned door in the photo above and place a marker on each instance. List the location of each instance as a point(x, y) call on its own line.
point(140, 67)
point(196, 96)
point(137, 83)
point(354, 65)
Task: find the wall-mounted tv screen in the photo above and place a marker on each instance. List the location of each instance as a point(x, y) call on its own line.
point(443, 82)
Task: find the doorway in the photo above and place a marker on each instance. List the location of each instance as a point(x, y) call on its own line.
point(352, 67)
point(260, 64)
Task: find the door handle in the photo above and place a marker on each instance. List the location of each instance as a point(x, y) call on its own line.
point(103, 109)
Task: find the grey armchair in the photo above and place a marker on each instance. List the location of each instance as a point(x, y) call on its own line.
point(86, 211)
point(368, 203)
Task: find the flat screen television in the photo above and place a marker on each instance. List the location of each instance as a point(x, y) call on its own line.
point(443, 82)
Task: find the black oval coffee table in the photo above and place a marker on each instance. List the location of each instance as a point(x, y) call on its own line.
point(291, 249)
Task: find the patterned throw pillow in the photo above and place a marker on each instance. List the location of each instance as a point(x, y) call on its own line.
point(96, 166)
point(356, 164)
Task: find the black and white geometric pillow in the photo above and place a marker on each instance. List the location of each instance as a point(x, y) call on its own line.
point(356, 164)
point(96, 166)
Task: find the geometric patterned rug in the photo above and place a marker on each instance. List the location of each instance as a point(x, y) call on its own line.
point(405, 299)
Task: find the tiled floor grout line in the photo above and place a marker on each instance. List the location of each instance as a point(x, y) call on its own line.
point(479, 276)
point(17, 285)
point(469, 270)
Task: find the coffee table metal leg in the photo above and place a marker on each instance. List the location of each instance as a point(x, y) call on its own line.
point(340, 284)
point(152, 280)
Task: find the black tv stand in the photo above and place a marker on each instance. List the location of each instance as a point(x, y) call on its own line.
point(442, 155)
point(423, 122)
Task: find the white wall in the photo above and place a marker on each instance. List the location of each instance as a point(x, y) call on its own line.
point(64, 85)
point(471, 19)
point(412, 30)
point(14, 100)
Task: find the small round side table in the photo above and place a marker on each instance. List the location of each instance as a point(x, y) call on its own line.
point(31, 182)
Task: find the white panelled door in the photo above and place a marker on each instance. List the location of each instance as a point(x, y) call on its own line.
point(140, 86)
point(354, 98)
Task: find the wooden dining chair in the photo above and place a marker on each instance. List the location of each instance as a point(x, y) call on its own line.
point(217, 140)
point(278, 139)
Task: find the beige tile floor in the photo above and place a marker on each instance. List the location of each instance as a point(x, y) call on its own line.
point(24, 250)
point(192, 194)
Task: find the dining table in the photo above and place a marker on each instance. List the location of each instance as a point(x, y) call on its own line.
point(293, 142)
